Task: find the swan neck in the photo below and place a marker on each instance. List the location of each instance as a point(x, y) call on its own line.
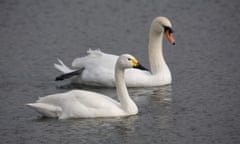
point(125, 100)
point(156, 58)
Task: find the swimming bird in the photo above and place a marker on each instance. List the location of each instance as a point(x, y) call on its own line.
point(97, 68)
point(87, 104)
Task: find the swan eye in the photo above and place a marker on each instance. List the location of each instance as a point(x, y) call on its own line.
point(168, 29)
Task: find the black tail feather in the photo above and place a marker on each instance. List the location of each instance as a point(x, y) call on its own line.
point(69, 75)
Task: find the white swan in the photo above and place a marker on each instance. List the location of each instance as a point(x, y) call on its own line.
point(86, 104)
point(97, 68)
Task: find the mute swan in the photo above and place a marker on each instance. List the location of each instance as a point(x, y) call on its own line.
point(97, 68)
point(86, 104)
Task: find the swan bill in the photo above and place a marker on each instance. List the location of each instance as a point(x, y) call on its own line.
point(169, 36)
point(141, 67)
point(137, 65)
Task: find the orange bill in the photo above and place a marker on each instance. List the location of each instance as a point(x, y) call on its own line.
point(170, 37)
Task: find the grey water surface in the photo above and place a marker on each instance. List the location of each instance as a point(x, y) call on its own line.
point(201, 106)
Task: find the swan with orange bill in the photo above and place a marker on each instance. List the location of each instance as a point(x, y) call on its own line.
point(97, 68)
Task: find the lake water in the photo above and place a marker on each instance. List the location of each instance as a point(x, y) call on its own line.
point(202, 106)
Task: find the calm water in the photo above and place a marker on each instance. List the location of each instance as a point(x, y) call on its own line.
point(201, 106)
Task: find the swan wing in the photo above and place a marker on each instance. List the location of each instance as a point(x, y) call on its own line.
point(98, 68)
point(136, 77)
point(77, 104)
point(141, 78)
point(95, 59)
point(47, 110)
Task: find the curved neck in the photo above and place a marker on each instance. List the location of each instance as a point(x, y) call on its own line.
point(156, 59)
point(125, 100)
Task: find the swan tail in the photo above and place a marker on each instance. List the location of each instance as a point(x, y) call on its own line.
point(69, 75)
point(62, 67)
point(46, 109)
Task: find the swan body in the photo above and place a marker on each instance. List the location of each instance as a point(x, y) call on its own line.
point(87, 104)
point(99, 66)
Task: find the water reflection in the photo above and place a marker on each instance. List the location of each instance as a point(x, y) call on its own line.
point(101, 128)
point(158, 107)
point(162, 100)
point(162, 94)
point(127, 124)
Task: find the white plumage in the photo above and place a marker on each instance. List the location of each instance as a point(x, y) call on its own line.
point(86, 104)
point(99, 66)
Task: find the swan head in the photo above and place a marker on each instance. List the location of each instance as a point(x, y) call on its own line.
point(128, 61)
point(163, 24)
